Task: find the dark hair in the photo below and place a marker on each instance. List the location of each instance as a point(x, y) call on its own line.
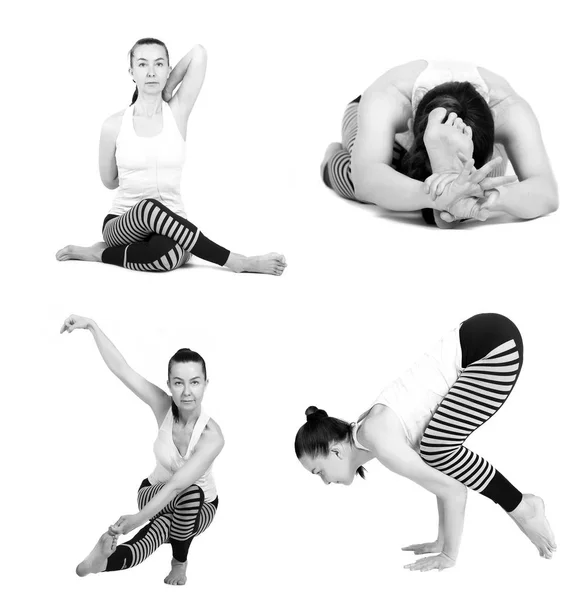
point(320, 431)
point(145, 42)
point(459, 97)
point(184, 355)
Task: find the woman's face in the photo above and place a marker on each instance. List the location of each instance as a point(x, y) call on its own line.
point(150, 69)
point(334, 467)
point(187, 385)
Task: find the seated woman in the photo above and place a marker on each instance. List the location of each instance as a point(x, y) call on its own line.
point(416, 120)
point(142, 152)
point(417, 428)
point(178, 500)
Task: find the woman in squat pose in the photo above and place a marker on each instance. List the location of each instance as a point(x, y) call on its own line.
point(417, 428)
point(418, 120)
point(178, 500)
point(142, 152)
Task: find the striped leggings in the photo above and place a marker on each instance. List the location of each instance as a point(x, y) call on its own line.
point(337, 171)
point(151, 237)
point(492, 354)
point(182, 519)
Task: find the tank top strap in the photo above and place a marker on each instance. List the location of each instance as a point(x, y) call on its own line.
point(198, 430)
point(127, 126)
point(170, 125)
point(354, 430)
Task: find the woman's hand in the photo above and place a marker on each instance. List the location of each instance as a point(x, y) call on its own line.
point(428, 548)
point(75, 322)
point(428, 563)
point(465, 185)
point(476, 207)
point(125, 524)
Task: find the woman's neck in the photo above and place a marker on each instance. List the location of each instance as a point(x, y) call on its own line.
point(147, 106)
point(188, 417)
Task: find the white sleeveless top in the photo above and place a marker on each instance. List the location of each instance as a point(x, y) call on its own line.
point(442, 71)
point(149, 167)
point(169, 460)
point(417, 393)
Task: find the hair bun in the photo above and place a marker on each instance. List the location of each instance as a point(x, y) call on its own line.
point(315, 414)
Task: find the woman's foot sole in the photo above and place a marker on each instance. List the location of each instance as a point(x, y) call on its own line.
point(97, 559)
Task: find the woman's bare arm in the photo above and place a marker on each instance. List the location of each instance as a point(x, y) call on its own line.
point(395, 454)
point(536, 192)
point(381, 113)
point(107, 154)
point(190, 73)
point(149, 393)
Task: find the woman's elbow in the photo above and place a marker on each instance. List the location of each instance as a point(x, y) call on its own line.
point(199, 53)
point(553, 200)
point(110, 183)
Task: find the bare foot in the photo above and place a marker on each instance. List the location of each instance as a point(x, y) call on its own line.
point(178, 574)
point(271, 264)
point(90, 253)
point(444, 140)
point(97, 559)
point(329, 152)
point(530, 518)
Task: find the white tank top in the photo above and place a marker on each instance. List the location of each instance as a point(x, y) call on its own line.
point(169, 460)
point(149, 167)
point(442, 71)
point(415, 396)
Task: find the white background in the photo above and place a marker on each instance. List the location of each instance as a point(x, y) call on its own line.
point(365, 294)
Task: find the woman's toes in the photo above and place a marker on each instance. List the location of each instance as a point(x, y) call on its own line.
point(451, 119)
point(436, 116)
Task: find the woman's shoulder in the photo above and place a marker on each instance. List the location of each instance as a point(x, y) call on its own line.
point(399, 79)
point(380, 425)
point(113, 123)
point(212, 430)
point(500, 88)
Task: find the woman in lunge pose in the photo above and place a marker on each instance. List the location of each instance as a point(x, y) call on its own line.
point(178, 500)
point(142, 152)
point(418, 121)
point(417, 428)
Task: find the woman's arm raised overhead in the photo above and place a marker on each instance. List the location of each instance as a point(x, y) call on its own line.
point(107, 157)
point(152, 395)
point(190, 73)
point(536, 192)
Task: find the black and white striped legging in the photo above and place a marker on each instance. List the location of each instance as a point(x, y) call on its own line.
point(182, 519)
point(337, 172)
point(151, 237)
point(492, 354)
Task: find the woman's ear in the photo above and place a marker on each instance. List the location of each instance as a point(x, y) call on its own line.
point(337, 450)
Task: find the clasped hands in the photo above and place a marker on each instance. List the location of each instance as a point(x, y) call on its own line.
point(468, 194)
